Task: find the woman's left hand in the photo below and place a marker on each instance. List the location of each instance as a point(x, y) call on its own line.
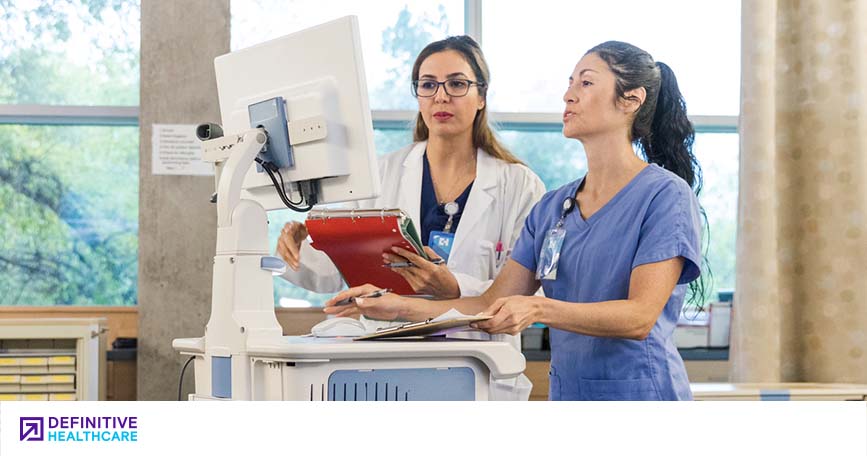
point(511, 314)
point(425, 277)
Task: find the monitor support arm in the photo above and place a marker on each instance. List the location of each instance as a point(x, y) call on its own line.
point(242, 297)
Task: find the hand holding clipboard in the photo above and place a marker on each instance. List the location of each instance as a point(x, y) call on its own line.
point(430, 276)
point(355, 241)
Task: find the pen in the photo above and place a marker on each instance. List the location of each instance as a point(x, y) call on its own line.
point(375, 294)
point(499, 249)
point(407, 264)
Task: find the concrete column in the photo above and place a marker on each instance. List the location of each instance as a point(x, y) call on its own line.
point(177, 224)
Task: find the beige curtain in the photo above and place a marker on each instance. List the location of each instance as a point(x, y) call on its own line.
point(801, 299)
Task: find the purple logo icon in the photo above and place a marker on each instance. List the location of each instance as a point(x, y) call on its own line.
point(31, 429)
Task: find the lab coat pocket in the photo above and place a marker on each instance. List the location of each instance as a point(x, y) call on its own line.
point(486, 260)
point(633, 389)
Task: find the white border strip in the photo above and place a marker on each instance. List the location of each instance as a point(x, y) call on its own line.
point(128, 116)
point(69, 115)
point(546, 121)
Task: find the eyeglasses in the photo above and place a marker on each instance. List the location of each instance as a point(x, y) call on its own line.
point(427, 88)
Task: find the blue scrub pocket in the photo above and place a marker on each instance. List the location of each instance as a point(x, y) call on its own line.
point(554, 385)
point(633, 389)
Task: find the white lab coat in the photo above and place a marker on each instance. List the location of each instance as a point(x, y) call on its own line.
point(501, 198)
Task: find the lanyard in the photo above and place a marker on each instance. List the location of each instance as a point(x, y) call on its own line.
point(549, 256)
point(568, 206)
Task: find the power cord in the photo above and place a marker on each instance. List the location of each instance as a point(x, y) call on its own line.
point(181, 381)
point(283, 187)
point(270, 168)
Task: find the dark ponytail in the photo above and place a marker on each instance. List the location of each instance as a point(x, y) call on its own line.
point(669, 143)
point(661, 129)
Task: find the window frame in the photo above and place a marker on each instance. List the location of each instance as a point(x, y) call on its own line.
point(74, 115)
point(473, 12)
point(30, 114)
point(532, 121)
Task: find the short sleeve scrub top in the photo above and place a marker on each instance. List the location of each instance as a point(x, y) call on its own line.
point(655, 217)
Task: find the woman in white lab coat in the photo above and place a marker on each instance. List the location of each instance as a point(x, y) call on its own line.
point(456, 181)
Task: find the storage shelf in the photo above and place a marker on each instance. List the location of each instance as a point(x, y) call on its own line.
point(52, 359)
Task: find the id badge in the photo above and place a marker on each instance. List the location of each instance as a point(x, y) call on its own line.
point(441, 243)
point(549, 257)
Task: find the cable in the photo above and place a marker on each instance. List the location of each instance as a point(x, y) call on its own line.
point(269, 167)
point(181, 381)
point(283, 186)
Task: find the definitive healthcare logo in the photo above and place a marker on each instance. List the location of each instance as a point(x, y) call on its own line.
point(31, 428)
point(79, 429)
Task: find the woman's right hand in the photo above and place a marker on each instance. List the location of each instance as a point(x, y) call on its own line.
point(289, 243)
point(387, 307)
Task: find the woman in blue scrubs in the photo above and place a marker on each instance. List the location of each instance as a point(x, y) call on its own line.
point(614, 250)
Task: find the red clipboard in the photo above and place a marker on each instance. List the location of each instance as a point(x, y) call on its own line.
point(355, 241)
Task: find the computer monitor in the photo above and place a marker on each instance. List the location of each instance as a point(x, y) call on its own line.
point(319, 73)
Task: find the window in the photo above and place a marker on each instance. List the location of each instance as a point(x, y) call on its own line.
point(392, 33)
point(704, 54)
point(69, 89)
point(69, 83)
point(718, 155)
point(700, 41)
point(529, 74)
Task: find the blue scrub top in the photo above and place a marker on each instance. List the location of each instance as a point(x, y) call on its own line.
point(655, 217)
point(433, 214)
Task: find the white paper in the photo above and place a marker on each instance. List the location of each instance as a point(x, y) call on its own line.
point(450, 315)
point(371, 325)
point(177, 151)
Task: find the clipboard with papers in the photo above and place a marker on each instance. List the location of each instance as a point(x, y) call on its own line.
point(427, 328)
point(355, 240)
